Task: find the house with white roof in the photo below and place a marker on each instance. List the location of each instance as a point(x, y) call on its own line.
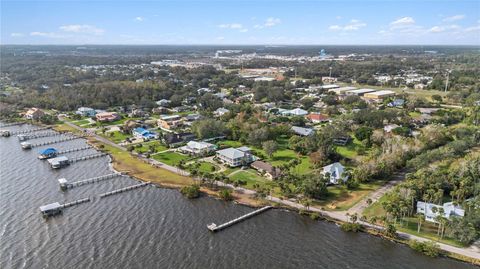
point(302, 131)
point(359, 92)
point(235, 156)
point(295, 112)
point(198, 148)
point(449, 210)
point(335, 173)
point(221, 111)
point(86, 111)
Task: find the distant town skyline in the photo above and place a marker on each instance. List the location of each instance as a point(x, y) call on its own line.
point(372, 22)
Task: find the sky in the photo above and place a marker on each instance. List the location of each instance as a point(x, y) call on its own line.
point(320, 22)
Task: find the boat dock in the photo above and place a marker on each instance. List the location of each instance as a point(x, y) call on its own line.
point(103, 195)
point(9, 133)
point(56, 208)
point(64, 184)
point(88, 157)
point(11, 124)
point(25, 137)
point(27, 145)
point(213, 227)
point(74, 149)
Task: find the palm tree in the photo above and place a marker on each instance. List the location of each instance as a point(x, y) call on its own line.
point(420, 219)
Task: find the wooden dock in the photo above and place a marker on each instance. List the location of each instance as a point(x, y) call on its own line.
point(28, 131)
point(213, 227)
point(73, 150)
point(88, 157)
point(25, 137)
point(11, 124)
point(56, 208)
point(69, 138)
point(64, 184)
point(103, 195)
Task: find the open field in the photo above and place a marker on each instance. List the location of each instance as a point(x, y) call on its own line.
point(340, 198)
point(251, 178)
point(170, 158)
point(146, 146)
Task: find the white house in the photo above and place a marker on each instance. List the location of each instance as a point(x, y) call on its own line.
point(221, 111)
point(198, 148)
point(336, 173)
point(302, 131)
point(295, 112)
point(449, 210)
point(235, 156)
point(86, 112)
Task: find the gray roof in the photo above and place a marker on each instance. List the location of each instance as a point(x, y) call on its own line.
point(51, 206)
point(231, 153)
point(302, 131)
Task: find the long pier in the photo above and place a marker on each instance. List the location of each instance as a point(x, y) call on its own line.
point(73, 150)
point(25, 137)
point(64, 184)
point(56, 208)
point(54, 141)
point(213, 227)
point(103, 195)
point(27, 131)
point(11, 124)
point(88, 157)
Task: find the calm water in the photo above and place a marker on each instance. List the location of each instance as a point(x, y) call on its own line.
point(158, 228)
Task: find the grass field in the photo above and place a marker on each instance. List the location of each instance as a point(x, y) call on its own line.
point(340, 198)
point(170, 158)
point(251, 178)
point(207, 167)
point(116, 136)
point(125, 162)
point(146, 146)
point(351, 150)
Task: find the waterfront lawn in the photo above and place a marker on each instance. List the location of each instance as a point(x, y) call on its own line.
point(206, 167)
point(170, 157)
point(340, 198)
point(66, 128)
point(81, 122)
point(229, 144)
point(124, 162)
point(116, 136)
point(146, 146)
point(251, 178)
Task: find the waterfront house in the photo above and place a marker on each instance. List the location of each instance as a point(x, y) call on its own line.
point(175, 140)
point(34, 113)
point(268, 170)
point(335, 173)
point(303, 131)
point(86, 112)
point(144, 134)
point(235, 156)
point(169, 121)
point(449, 210)
point(198, 148)
point(107, 116)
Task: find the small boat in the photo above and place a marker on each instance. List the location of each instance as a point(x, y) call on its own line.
point(26, 145)
point(47, 154)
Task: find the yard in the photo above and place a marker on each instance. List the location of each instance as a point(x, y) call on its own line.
point(170, 157)
point(351, 150)
point(251, 178)
point(116, 136)
point(340, 198)
point(145, 147)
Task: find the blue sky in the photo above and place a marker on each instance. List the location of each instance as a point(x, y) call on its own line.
point(451, 22)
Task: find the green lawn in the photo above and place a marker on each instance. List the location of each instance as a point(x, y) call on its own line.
point(350, 150)
point(340, 198)
point(146, 146)
point(250, 177)
point(116, 136)
point(229, 143)
point(170, 158)
point(81, 122)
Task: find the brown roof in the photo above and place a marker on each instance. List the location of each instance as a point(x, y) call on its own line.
point(318, 117)
point(259, 165)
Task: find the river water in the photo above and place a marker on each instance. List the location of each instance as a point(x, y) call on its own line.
point(158, 228)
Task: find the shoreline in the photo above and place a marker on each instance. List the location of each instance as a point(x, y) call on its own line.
point(246, 199)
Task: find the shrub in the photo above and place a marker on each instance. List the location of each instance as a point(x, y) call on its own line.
point(191, 192)
point(314, 216)
point(351, 227)
point(428, 248)
point(226, 194)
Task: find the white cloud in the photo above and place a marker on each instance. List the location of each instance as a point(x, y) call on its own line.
point(353, 25)
point(454, 18)
point(139, 18)
point(269, 22)
point(472, 29)
point(443, 28)
point(46, 34)
point(231, 26)
point(82, 28)
point(16, 35)
point(402, 23)
point(243, 30)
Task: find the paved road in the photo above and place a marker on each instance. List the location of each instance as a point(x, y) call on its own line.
point(376, 195)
